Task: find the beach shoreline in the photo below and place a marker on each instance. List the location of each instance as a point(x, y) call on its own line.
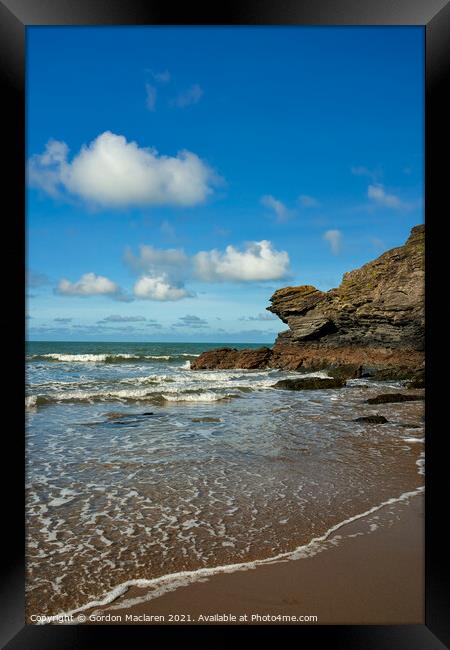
point(370, 571)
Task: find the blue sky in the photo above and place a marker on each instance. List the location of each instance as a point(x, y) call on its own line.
point(178, 176)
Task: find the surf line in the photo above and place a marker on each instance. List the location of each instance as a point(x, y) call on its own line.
point(173, 581)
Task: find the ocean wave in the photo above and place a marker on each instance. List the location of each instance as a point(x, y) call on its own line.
point(110, 358)
point(126, 395)
point(206, 396)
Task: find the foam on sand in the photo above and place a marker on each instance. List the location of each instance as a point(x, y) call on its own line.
point(167, 583)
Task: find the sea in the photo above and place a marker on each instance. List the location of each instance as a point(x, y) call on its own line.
point(139, 469)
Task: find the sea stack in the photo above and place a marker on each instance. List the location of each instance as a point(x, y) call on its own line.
point(371, 325)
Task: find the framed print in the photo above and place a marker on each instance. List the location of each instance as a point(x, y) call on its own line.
point(228, 325)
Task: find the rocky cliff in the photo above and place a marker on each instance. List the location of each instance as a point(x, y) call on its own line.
point(372, 323)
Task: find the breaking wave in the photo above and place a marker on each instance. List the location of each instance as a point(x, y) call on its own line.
point(136, 395)
point(109, 358)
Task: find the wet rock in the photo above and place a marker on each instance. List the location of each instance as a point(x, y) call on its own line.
point(372, 419)
point(393, 398)
point(118, 415)
point(309, 383)
point(418, 382)
point(394, 374)
point(206, 419)
point(115, 415)
point(226, 358)
point(346, 371)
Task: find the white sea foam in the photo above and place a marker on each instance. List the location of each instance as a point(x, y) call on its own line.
point(101, 358)
point(163, 357)
point(170, 394)
point(31, 401)
point(173, 581)
point(74, 358)
point(206, 396)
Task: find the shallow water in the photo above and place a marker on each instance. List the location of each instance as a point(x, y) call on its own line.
point(114, 493)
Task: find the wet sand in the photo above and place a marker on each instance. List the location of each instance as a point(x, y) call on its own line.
point(370, 571)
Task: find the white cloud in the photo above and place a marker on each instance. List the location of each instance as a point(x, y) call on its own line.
point(112, 172)
point(89, 285)
point(158, 288)
point(259, 261)
point(334, 238)
point(281, 211)
point(190, 96)
point(150, 97)
point(163, 272)
point(43, 170)
point(308, 201)
point(378, 194)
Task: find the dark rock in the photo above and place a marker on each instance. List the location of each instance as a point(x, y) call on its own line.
point(372, 419)
point(418, 381)
point(346, 371)
point(388, 398)
point(394, 374)
point(118, 415)
point(380, 305)
point(206, 419)
point(309, 383)
point(225, 358)
point(367, 371)
point(373, 322)
point(115, 415)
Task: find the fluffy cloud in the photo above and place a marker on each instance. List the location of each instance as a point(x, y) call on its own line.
point(281, 211)
point(191, 321)
point(334, 238)
point(190, 96)
point(378, 194)
point(90, 284)
point(163, 272)
point(159, 288)
point(259, 261)
point(112, 172)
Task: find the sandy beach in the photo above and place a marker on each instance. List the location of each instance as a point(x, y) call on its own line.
point(370, 571)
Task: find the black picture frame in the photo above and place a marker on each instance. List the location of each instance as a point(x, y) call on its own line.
point(15, 16)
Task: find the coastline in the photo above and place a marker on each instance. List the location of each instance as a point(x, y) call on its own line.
point(368, 571)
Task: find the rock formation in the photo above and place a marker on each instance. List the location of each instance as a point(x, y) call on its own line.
point(371, 325)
